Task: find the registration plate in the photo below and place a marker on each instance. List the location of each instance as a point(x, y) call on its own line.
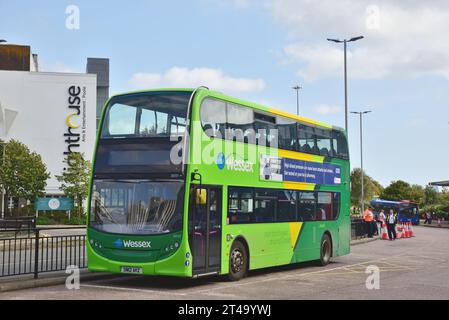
point(134, 270)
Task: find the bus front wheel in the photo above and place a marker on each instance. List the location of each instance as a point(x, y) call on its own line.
point(325, 250)
point(238, 261)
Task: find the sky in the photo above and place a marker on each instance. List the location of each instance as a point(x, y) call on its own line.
point(259, 49)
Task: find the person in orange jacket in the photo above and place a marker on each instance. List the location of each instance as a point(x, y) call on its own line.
point(368, 217)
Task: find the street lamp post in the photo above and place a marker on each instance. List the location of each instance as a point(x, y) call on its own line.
point(345, 45)
point(297, 88)
point(361, 113)
point(3, 144)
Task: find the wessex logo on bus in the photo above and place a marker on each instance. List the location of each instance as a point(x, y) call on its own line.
point(132, 244)
point(234, 164)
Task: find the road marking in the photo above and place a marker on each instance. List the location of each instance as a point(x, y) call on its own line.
point(312, 274)
point(130, 289)
point(219, 294)
point(286, 277)
point(350, 270)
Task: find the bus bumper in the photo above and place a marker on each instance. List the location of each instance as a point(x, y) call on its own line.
point(176, 265)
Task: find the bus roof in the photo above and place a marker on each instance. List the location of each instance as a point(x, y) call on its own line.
point(273, 110)
point(254, 105)
point(388, 202)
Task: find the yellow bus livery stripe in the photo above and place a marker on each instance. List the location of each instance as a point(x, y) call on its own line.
point(299, 186)
point(295, 228)
point(298, 118)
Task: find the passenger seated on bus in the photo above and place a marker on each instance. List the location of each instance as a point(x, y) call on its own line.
point(315, 149)
point(321, 214)
point(293, 145)
point(308, 215)
point(262, 215)
point(241, 217)
point(232, 217)
point(324, 152)
point(209, 130)
point(213, 132)
point(306, 148)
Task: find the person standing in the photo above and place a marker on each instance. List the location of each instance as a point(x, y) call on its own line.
point(428, 217)
point(381, 221)
point(392, 220)
point(368, 217)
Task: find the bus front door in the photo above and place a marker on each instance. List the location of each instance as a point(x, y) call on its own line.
point(205, 216)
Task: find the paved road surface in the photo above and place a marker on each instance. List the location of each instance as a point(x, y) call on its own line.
point(413, 268)
point(53, 231)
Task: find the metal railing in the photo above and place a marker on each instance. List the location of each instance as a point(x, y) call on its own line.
point(18, 223)
point(359, 229)
point(36, 252)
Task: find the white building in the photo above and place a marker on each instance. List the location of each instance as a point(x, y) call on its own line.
point(51, 113)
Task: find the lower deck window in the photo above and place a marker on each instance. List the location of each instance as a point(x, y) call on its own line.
point(257, 205)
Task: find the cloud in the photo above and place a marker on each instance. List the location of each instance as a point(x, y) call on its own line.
point(325, 110)
point(215, 79)
point(403, 39)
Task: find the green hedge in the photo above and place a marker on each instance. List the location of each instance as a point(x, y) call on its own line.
point(440, 210)
point(57, 217)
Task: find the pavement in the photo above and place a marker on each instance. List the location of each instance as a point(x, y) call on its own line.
point(55, 231)
point(411, 269)
point(443, 224)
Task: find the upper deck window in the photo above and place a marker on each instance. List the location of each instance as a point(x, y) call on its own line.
point(221, 119)
point(151, 114)
point(139, 133)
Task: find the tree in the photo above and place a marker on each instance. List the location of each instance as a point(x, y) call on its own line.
point(416, 194)
point(396, 191)
point(401, 190)
point(75, 179)
point(431, 196)
point(372, 188)
point(23, 174)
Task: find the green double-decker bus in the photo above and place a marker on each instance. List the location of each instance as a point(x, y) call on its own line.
point(191, 182)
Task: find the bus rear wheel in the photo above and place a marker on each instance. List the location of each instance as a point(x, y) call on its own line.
point(238, 261)
point(325, 250)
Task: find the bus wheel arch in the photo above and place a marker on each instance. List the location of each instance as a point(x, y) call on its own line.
point(331, 240)
point(238, 259)
point(326, 249)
